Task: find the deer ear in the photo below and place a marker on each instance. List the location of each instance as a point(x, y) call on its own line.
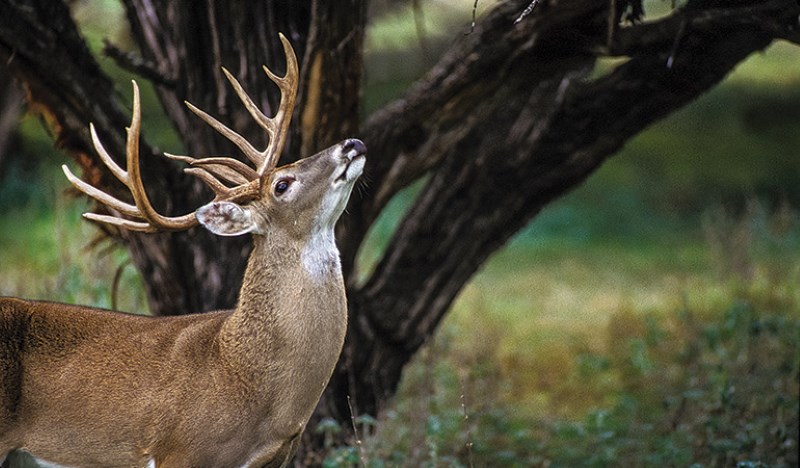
point(226, 218)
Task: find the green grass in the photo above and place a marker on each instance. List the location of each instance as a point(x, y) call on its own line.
point(584, 361)
point(48, 252)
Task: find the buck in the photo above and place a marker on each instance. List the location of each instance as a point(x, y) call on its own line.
point(86, 387)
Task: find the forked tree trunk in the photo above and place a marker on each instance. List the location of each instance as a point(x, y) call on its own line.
point(504, 123)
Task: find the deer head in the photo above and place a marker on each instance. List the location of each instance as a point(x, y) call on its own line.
point(301, 198)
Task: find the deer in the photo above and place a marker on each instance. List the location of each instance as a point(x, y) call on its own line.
point(81, 386)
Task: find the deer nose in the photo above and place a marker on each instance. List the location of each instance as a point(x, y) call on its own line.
point(354, 144)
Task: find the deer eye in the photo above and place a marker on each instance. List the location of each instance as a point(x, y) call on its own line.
point(282, 185)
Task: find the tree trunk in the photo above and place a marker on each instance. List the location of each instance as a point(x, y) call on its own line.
point(11, 100)
point(506, 121)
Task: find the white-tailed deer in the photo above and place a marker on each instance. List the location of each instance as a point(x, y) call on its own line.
point(87, 387)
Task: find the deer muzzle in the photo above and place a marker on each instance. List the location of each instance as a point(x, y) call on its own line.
point(353, 153)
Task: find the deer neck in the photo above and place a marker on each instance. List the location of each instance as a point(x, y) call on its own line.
point(292, 312)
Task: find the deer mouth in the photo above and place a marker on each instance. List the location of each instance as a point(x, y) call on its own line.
point(354, 153)
point(348, 174)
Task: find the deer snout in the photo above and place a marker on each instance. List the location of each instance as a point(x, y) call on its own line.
point(353, 147)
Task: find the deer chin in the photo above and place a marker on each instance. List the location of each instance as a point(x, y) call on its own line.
point(354, 167)
point(354, 158)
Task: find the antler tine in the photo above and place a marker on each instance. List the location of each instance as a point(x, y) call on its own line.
point(212, 170)
point(102, 197)
point(288, 86)
point(255, 156)
point(277, 127)
point(143, 210)
point(229, 169)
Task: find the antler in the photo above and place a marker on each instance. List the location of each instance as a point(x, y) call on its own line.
point(211, 170)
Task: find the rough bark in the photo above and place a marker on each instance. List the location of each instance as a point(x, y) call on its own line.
point(185, 50)
point(505, 122)
point(11, 100)
point(241, 36)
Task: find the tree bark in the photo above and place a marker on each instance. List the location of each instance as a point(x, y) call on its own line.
point(241, 36)
point(11, 100)
point(505, 122)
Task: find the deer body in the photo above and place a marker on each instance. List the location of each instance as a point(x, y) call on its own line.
point(87, 387)
point(128, 388)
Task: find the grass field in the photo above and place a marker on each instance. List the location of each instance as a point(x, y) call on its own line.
point(650, 318)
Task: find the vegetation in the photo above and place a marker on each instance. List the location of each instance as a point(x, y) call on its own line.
point(650, 318)
point(672, 390)
point(582, 361)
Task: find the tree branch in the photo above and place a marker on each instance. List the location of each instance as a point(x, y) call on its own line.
point(772, 16)
point(136, 64)
point(408, 136)
point(495, 160)
point(36, 40)
point(413, 134)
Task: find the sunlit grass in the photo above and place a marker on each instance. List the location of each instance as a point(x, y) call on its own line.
point(542, 308)
point(581, 362)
